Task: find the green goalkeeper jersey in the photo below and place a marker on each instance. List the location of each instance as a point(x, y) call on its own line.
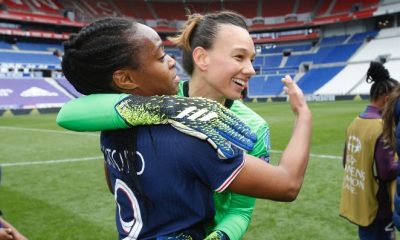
point(233, 211)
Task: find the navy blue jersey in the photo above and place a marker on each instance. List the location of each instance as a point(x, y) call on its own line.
point(177, 175)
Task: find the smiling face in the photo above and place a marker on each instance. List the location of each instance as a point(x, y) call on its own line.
point(156, 74)
point(229, 63)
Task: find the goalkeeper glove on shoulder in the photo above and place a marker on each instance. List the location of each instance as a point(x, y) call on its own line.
point(199, 117)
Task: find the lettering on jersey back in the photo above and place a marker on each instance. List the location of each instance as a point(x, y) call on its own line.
point(118, 160)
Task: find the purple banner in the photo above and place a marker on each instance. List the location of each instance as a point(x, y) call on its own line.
point(30, 93)
point(65, 84)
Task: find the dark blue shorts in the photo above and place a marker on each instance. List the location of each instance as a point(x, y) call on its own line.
point(379, 229)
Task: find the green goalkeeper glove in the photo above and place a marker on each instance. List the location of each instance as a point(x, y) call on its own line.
point(198, 117)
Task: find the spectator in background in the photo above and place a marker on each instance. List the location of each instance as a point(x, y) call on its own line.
point(391, 133)
point(369, 164)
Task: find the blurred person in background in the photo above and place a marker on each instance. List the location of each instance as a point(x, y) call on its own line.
point(369, 164)
point(391, 133)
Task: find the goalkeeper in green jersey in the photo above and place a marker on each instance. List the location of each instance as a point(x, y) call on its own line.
point(202, 59)
point(212, 57)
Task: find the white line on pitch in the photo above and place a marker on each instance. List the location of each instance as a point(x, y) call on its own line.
point(48, 131)
point(97, 134)
point(68, 160)
point(315, 155)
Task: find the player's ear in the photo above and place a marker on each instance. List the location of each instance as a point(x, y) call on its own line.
point(200, 58)
point(124, 80)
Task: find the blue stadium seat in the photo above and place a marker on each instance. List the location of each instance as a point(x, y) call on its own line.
point(8, 57)
point(281, 48)
point(5, 45)
point(316, 78)
point(296, 60)
point(334, 40)
point(360, 37)
point(262, 86)
point(272, 61)
point(38, 46)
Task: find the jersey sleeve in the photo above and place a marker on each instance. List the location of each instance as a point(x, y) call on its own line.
point(235, 220)
point(205, 164)
point(92, 113)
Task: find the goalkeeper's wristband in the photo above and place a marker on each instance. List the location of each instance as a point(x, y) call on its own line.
point(217, 235)
point(141, 110)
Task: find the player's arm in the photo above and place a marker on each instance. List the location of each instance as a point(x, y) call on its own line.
point(11, 230)
point(198, 117)
point(95, 112)
point(282, 182)
point(237, 218)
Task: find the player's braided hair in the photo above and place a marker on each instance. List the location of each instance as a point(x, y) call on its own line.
point(201, 30)
point(382, 82)
point(97, 51)
point(382, 85)
point(390, 118)
point(91, 57)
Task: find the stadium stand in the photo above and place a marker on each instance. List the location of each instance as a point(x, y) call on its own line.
point(265, 86)
point(315, 78)
point(31, 58)
point(345, 81)
point(33, 46)
point(271, 8)
point(325, 45)
point(307, 6)
point(243, 7)
point(5, 45)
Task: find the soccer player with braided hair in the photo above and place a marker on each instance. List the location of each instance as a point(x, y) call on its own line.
point(163, 180)
point(369, 164)
point(209, 35)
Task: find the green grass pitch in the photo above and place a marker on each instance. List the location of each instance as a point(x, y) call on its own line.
point(53, 184)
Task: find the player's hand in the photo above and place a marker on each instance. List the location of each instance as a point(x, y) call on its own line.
point(6, 233)
point(217, 235)
point(295, 94)
point(18, 236)
point(198, 117)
